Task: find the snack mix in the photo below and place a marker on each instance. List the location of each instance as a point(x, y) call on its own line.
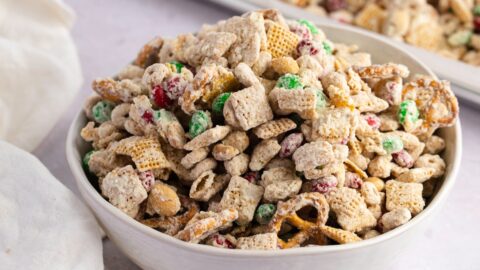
point(260, 133)
point(448, 27)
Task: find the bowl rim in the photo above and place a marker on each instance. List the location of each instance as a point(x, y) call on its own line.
point(84, 185)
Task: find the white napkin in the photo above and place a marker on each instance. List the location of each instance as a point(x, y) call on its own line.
point(39, 68)
point(42, 224)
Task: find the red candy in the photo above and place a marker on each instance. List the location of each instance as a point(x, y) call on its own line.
point(223, 241)
point(148, 117)
point(372, 120)
point(334, 5)
point(325, 184)
point(160, 97)
point(174, 88)
point(148, 179)
point(353, 180)
point(476, 24)
point(290, 144)
point(307, 46)
point(252, 177)
point(403, 159)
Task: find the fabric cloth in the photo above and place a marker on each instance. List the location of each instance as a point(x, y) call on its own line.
point(42, 224)
point(39, 71)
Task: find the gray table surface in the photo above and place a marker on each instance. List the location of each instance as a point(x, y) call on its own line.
point(109, 33)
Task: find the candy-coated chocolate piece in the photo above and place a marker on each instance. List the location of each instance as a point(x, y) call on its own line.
point(289, 81)
point(392, 144)
point(219, 102)
point(102, 111)
point(86, 159)
point(160, 97)
point(313, 29)
point(264, 213)
point(198, 123)
point(408, 111)
point(327, 47)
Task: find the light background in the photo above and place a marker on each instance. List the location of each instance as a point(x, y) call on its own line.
point(109, 34)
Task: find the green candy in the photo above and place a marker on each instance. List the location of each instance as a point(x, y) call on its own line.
point(178, 66)
point(321, 99)
point(86, 159)
point(198, 123)
point(264, 213)
point(476, 10)
point(460, 38)
point(219, 102)
point(408, 112)
point(313, 29)
point(327, 47)
point(102, 111)
point(392, 144)
point(289, 81)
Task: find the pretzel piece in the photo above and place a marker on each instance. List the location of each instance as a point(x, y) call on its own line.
point(436, 102)
point(288, 212)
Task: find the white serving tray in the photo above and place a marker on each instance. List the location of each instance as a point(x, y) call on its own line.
point(465, 78)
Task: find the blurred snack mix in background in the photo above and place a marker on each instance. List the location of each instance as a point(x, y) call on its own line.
point(450, 28)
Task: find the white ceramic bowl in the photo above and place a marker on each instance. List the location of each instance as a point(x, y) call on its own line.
point(151, 249)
